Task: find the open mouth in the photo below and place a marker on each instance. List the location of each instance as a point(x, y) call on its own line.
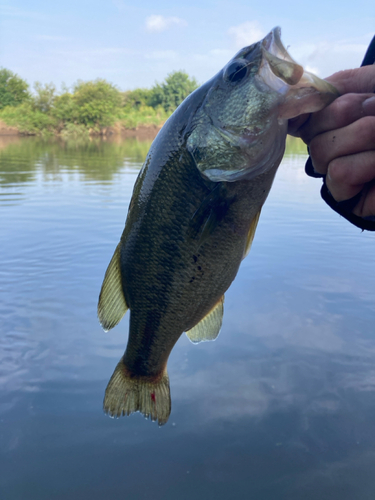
point(280, 62)
point(303, 91)
point(273, 44)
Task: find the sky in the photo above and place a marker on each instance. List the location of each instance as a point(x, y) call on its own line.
point(136, 43)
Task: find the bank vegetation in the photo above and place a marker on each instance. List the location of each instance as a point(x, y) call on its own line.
point(88, 107)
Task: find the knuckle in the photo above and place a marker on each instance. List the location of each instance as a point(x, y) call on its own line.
point(338, 173)
point(318, 154)
point(368, 78)
point(366, 130)
point(346, 109)
point(317, 149)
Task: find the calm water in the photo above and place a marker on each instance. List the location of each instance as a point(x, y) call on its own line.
point(281, 406)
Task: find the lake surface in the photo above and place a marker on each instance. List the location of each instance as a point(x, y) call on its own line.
point(280, 406)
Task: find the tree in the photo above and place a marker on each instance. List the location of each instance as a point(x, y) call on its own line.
point(13, 90)
point(136, 98)
point(173, 91)
point(64, 109)
point(96, 103)
point(44, 96)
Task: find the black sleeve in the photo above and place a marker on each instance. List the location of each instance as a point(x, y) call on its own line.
point(346, 207)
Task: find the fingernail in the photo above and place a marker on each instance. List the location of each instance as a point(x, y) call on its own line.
point(369, 106)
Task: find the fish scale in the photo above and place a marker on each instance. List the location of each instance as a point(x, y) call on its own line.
point(193, 214)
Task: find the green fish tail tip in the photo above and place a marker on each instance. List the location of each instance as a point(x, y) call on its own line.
point(125, 395)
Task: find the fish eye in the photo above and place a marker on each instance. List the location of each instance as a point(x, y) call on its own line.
point(236, 71)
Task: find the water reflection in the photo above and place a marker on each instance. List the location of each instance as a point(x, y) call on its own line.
point(97, 159)
point(281, 406)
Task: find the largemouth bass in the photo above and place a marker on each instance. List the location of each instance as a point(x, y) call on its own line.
point(193, 215)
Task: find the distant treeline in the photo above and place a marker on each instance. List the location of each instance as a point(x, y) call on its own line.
point(88, 107)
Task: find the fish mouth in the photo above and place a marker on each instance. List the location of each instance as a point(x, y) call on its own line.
point(272, 42)
point(278, 58)
point(280, 72)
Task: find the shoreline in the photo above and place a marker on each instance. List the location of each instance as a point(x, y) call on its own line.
point(142, 132)
point(7, 130)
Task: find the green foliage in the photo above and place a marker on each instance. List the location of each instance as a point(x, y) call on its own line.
point(13, 90)
point(295, 146)
point(168, 95)
point(64, 109)
point(90, 106)
point(27, 119)
point(133, 117)
point(173, 91)
point(44, 97)
point(136, 98)
point(96, 103)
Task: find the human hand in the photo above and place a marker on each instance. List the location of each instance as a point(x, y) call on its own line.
point(341, 138)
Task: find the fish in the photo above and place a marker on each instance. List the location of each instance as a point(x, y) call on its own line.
point(193, 215)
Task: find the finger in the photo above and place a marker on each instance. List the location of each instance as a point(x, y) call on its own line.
point(357, 80)
point(347, 176)
point(366, 206)
point(354, 138)
point(295, 124)
point(343, 111)
point(369, 106)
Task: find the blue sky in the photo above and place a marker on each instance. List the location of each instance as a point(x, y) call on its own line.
point(133, 44)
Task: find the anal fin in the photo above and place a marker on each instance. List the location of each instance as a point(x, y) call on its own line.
point(251, 234)
point(209, 327)
point(112, 305)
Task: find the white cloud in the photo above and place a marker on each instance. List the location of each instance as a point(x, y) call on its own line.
point(312, 69)
point(325, 58)
point(157, 23)
point(246, 33)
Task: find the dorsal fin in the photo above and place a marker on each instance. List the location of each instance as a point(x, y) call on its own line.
point(209, 327)
point(112, 305)
point(251, 233)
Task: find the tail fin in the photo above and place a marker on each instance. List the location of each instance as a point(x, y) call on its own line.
point(126, 394)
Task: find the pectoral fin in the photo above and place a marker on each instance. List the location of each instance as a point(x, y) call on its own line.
point(251, 234)
point(209, 327)
point(112, 305)
point(209, 214)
